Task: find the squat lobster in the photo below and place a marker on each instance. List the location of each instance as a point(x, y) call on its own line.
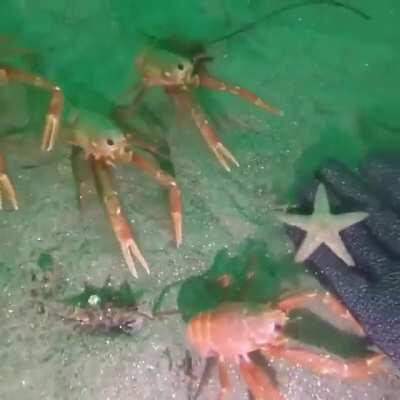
point(179, 77)
point(233, 330)
point(104, 146)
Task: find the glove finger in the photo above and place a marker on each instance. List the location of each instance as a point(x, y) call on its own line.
point(367, 253)
point(381, 318)
point(383, 223)
point(383, 176)
point(306, 196)
point(348, 186)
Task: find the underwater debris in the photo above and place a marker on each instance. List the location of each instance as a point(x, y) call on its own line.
point(249, 276)
point(47, 279)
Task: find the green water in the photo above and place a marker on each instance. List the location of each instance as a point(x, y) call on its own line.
point(334, 74)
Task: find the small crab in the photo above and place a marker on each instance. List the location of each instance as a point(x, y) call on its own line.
point(104, 146)
point(10, 75)
point(233, 330)
point(106, 319)
point(179, 77)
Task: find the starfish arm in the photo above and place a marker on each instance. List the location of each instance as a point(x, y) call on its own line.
point(321, 201)
point(343, 221)
point(335, 243)
point(310, 243)
point(301, 221)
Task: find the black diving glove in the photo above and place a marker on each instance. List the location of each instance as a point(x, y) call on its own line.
point(371, 288)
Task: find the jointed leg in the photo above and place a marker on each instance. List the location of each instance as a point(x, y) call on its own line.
point(6, 186)
point(327, 365)
point(223, 380)
point(174, 193)
point(83, 177)
point(213, 83)
point(135, 141)
point(56, 103)
point(211, 362)
point(119, 222)
point(258, 382)
point(223, 155)
point(302, 300)
point(139, 91)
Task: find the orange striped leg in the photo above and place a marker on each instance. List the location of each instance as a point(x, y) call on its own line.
point(119, 222)
point(223, 380)
point(224, 156)
point(258, 382)
point(174, 193)
point(6, 186)
point(356, 368)
point(210, 82)
point(56, 102)
point(302, 300)
point(83, 177)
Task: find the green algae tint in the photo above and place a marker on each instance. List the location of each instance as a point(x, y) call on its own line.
point(335, 75)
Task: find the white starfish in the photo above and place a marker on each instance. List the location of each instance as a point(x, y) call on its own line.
point(323, 227)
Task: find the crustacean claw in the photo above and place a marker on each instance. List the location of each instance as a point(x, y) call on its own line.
point(52, 123)
point(174, 193)
point(259, 383)
point(56, 103)
point(325, 364)
point(6, 186)
point(224, 156)
point(119, 222)
point(331, 302)
point(130, 251)
point(185, 101)
point(210, 82)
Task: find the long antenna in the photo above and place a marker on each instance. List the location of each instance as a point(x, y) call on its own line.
point(274, 13)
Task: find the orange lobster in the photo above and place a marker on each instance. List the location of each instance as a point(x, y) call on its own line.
point(233, 330)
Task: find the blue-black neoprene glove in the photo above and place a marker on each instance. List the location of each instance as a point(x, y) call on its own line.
point(371, 288)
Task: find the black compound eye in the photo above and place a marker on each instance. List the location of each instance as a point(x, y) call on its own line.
point(181, 67)
point(110, 142)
